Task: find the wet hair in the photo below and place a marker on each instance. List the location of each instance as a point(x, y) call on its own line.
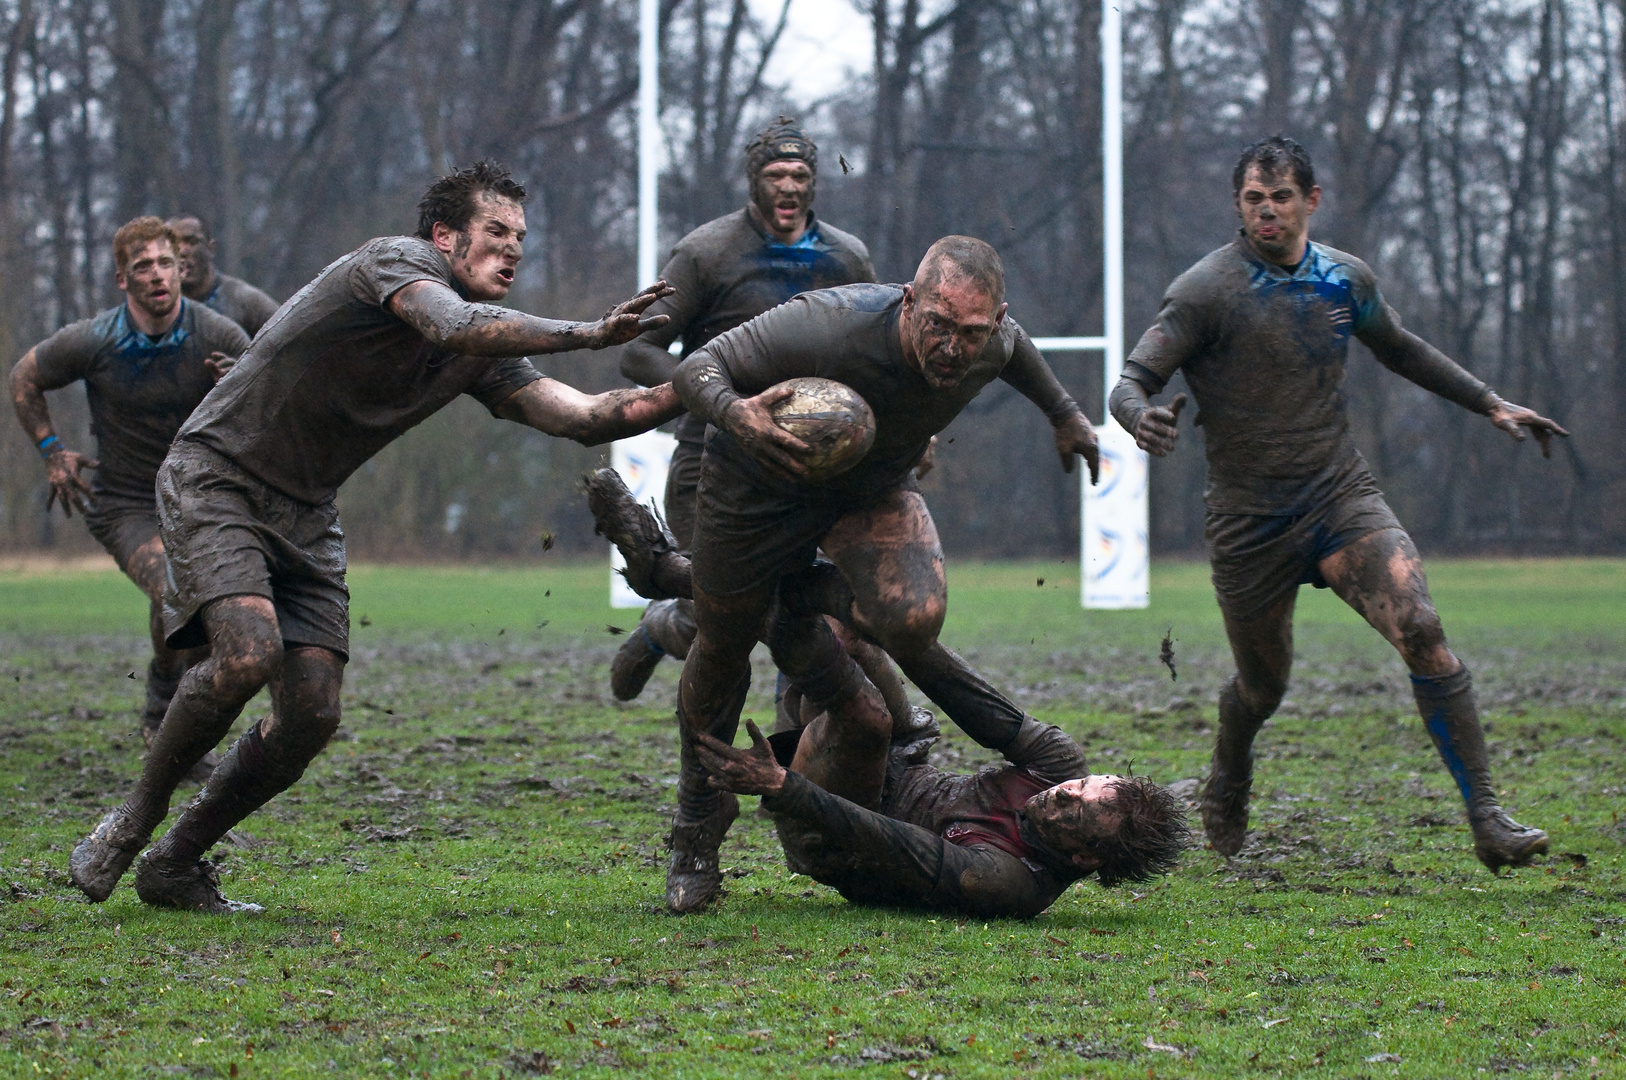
point(781, 140)
point(1273, 155)
point(1151, 833)
point(966, 258)
point(203, 223)
point(453, 199)
point(136, 234)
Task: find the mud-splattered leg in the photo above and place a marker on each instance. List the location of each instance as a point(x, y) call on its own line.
point(266, 761)
point(1263, 650)
point(245, 654)
point(146, 568)
point(1381, 577)
point(716, 678)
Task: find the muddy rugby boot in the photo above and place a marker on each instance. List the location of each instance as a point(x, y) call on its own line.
point(1230, 774)
point(188, 884)
point(654, 568)
point(1446, 703)
point(694, 875)
point(667, 629)
point(100, 859)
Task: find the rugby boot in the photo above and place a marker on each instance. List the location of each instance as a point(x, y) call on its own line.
point(694, 876)
point(667, 629)
point(1452, 719)
point(654, 568)
point(100, 859)
point(1224, 803)
point(188, 884)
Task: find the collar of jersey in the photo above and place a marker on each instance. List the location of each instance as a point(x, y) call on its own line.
point(133, 343)
point(1314, 267)
point(809, 239)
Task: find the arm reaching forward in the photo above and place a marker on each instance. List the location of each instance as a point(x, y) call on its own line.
point(554, 408)
point(62, 466)
point(1033, 378)
point(447, 320)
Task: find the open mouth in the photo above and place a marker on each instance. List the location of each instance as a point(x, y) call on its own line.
point(506, 275)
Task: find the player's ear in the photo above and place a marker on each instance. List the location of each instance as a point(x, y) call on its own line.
point(1312, 199)
point(1087, 863)
point(443, 236)
point(999, 316)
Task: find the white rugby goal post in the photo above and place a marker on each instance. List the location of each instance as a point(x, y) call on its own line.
point(1115, 557)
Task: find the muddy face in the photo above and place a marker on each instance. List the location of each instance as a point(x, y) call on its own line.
point(1068, 815)
point(196, 252)
point(945, 327)
point(1276, 214)
point(783, 193)
point(485, 254)
point(152, 279)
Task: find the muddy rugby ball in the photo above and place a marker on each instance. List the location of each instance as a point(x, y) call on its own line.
point(831, 418)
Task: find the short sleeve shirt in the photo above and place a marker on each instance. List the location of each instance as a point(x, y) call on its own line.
point(140, 389)
point(1264, 348)
point(335, 376)
point(241, 302)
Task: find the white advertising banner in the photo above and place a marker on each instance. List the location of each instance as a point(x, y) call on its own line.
point(1117, 558)
point(642, 462)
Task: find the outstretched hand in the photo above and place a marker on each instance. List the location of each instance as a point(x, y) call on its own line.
point(626, 320)
point(1513, 419)
point(1076, 435)
point(1159, 427)
point(217, 364)
point(62, 471)
point(744, 772)
point(750, 420)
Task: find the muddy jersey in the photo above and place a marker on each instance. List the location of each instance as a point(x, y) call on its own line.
point(240, 302)
point(938, 840)
point(850, 334)
point(140, 389)
point(335, 376)
point(1263, 348)
point(729, 271)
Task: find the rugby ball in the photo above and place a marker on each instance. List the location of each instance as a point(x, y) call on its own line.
point(829, 417)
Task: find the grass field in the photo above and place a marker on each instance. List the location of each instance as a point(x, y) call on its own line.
point(468, 883)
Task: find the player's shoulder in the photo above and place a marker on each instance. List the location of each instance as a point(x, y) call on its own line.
point(1220, 270)
point(397, 249)
point(840, 238)
point(1331, 262)
point(90, 333)
point(863, 298)
point(213, 327)
point(716, 234)
point(237, 287)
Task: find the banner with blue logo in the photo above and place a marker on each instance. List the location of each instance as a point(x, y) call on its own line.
point(1117, 557)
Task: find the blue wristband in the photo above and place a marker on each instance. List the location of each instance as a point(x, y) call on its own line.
point(47, 444)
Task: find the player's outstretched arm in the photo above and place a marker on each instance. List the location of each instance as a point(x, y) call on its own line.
point(62, 466)
point(554, 408)
point(1513, 419)
point(1034, 379)
point(448, 320)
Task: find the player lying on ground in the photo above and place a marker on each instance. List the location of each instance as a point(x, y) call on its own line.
point(1261, 329)
point(380, 340)
point(857, 808)
point(232, 297)
point(917, 354)
point(146, 364)
point(727, 272)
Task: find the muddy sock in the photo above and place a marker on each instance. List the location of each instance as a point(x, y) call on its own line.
point(977, 708)
point(1446, 703)
point(195, 723)
point(160, 691)
point(697, 798)
point(255, 770)
point(1238, 725)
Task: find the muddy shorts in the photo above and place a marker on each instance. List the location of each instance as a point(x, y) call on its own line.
point(122, 526)
point(228, 533)
point(1256, 558)
point(747, 534)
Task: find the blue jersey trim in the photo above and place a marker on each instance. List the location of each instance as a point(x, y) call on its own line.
point(132, 344)
point(1317, 278)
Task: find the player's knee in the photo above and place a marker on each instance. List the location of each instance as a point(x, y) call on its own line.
point(243, 670)
point(1421, 633)
point(910, 631)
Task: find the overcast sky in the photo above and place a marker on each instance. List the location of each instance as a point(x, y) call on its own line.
point(825, 41)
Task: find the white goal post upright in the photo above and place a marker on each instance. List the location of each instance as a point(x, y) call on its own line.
point(1115, 557)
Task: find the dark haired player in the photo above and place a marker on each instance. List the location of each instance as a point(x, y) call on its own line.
point(146, 364)
point(1261, 328)
point(727, 272)
point(233, 297)
point(383, 338)
point(917, 354)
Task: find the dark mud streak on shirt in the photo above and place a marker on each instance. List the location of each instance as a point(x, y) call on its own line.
point(335, 376)
point(140, 390)
point(1264, 349)
point(729, 271)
